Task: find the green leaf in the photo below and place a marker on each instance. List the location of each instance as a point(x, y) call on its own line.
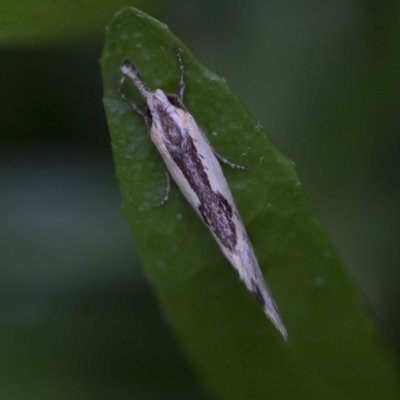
point(45, 22)
point(335, 351)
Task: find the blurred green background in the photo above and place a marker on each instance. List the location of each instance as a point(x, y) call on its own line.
point(78, 319)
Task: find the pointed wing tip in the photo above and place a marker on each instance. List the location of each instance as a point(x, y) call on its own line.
point(276, 319)
point(270, 309)
point(282, 329)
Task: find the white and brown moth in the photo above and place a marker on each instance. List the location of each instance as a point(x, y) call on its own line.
point(193, 164)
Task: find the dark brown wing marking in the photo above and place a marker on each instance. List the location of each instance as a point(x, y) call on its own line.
point(214, 207)
point(217, 214)
point(255, 289)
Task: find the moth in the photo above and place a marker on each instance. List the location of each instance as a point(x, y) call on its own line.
point(192, 162)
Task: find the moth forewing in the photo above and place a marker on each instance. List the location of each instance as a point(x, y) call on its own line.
point(192, 163)
point(176, 172)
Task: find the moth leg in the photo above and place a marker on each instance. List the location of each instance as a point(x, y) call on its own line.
point(175, 100)
point(220, 158)
point(167, 190)
point(227, 162)
point(181, 84)
point(134, 106)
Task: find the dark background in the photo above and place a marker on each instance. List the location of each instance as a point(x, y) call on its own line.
point(78, 319)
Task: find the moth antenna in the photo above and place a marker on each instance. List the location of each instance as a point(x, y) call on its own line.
point(129, 69)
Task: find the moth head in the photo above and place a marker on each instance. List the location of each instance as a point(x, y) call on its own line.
point(158, 101)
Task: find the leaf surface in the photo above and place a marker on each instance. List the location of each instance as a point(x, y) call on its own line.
point(335, 350)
